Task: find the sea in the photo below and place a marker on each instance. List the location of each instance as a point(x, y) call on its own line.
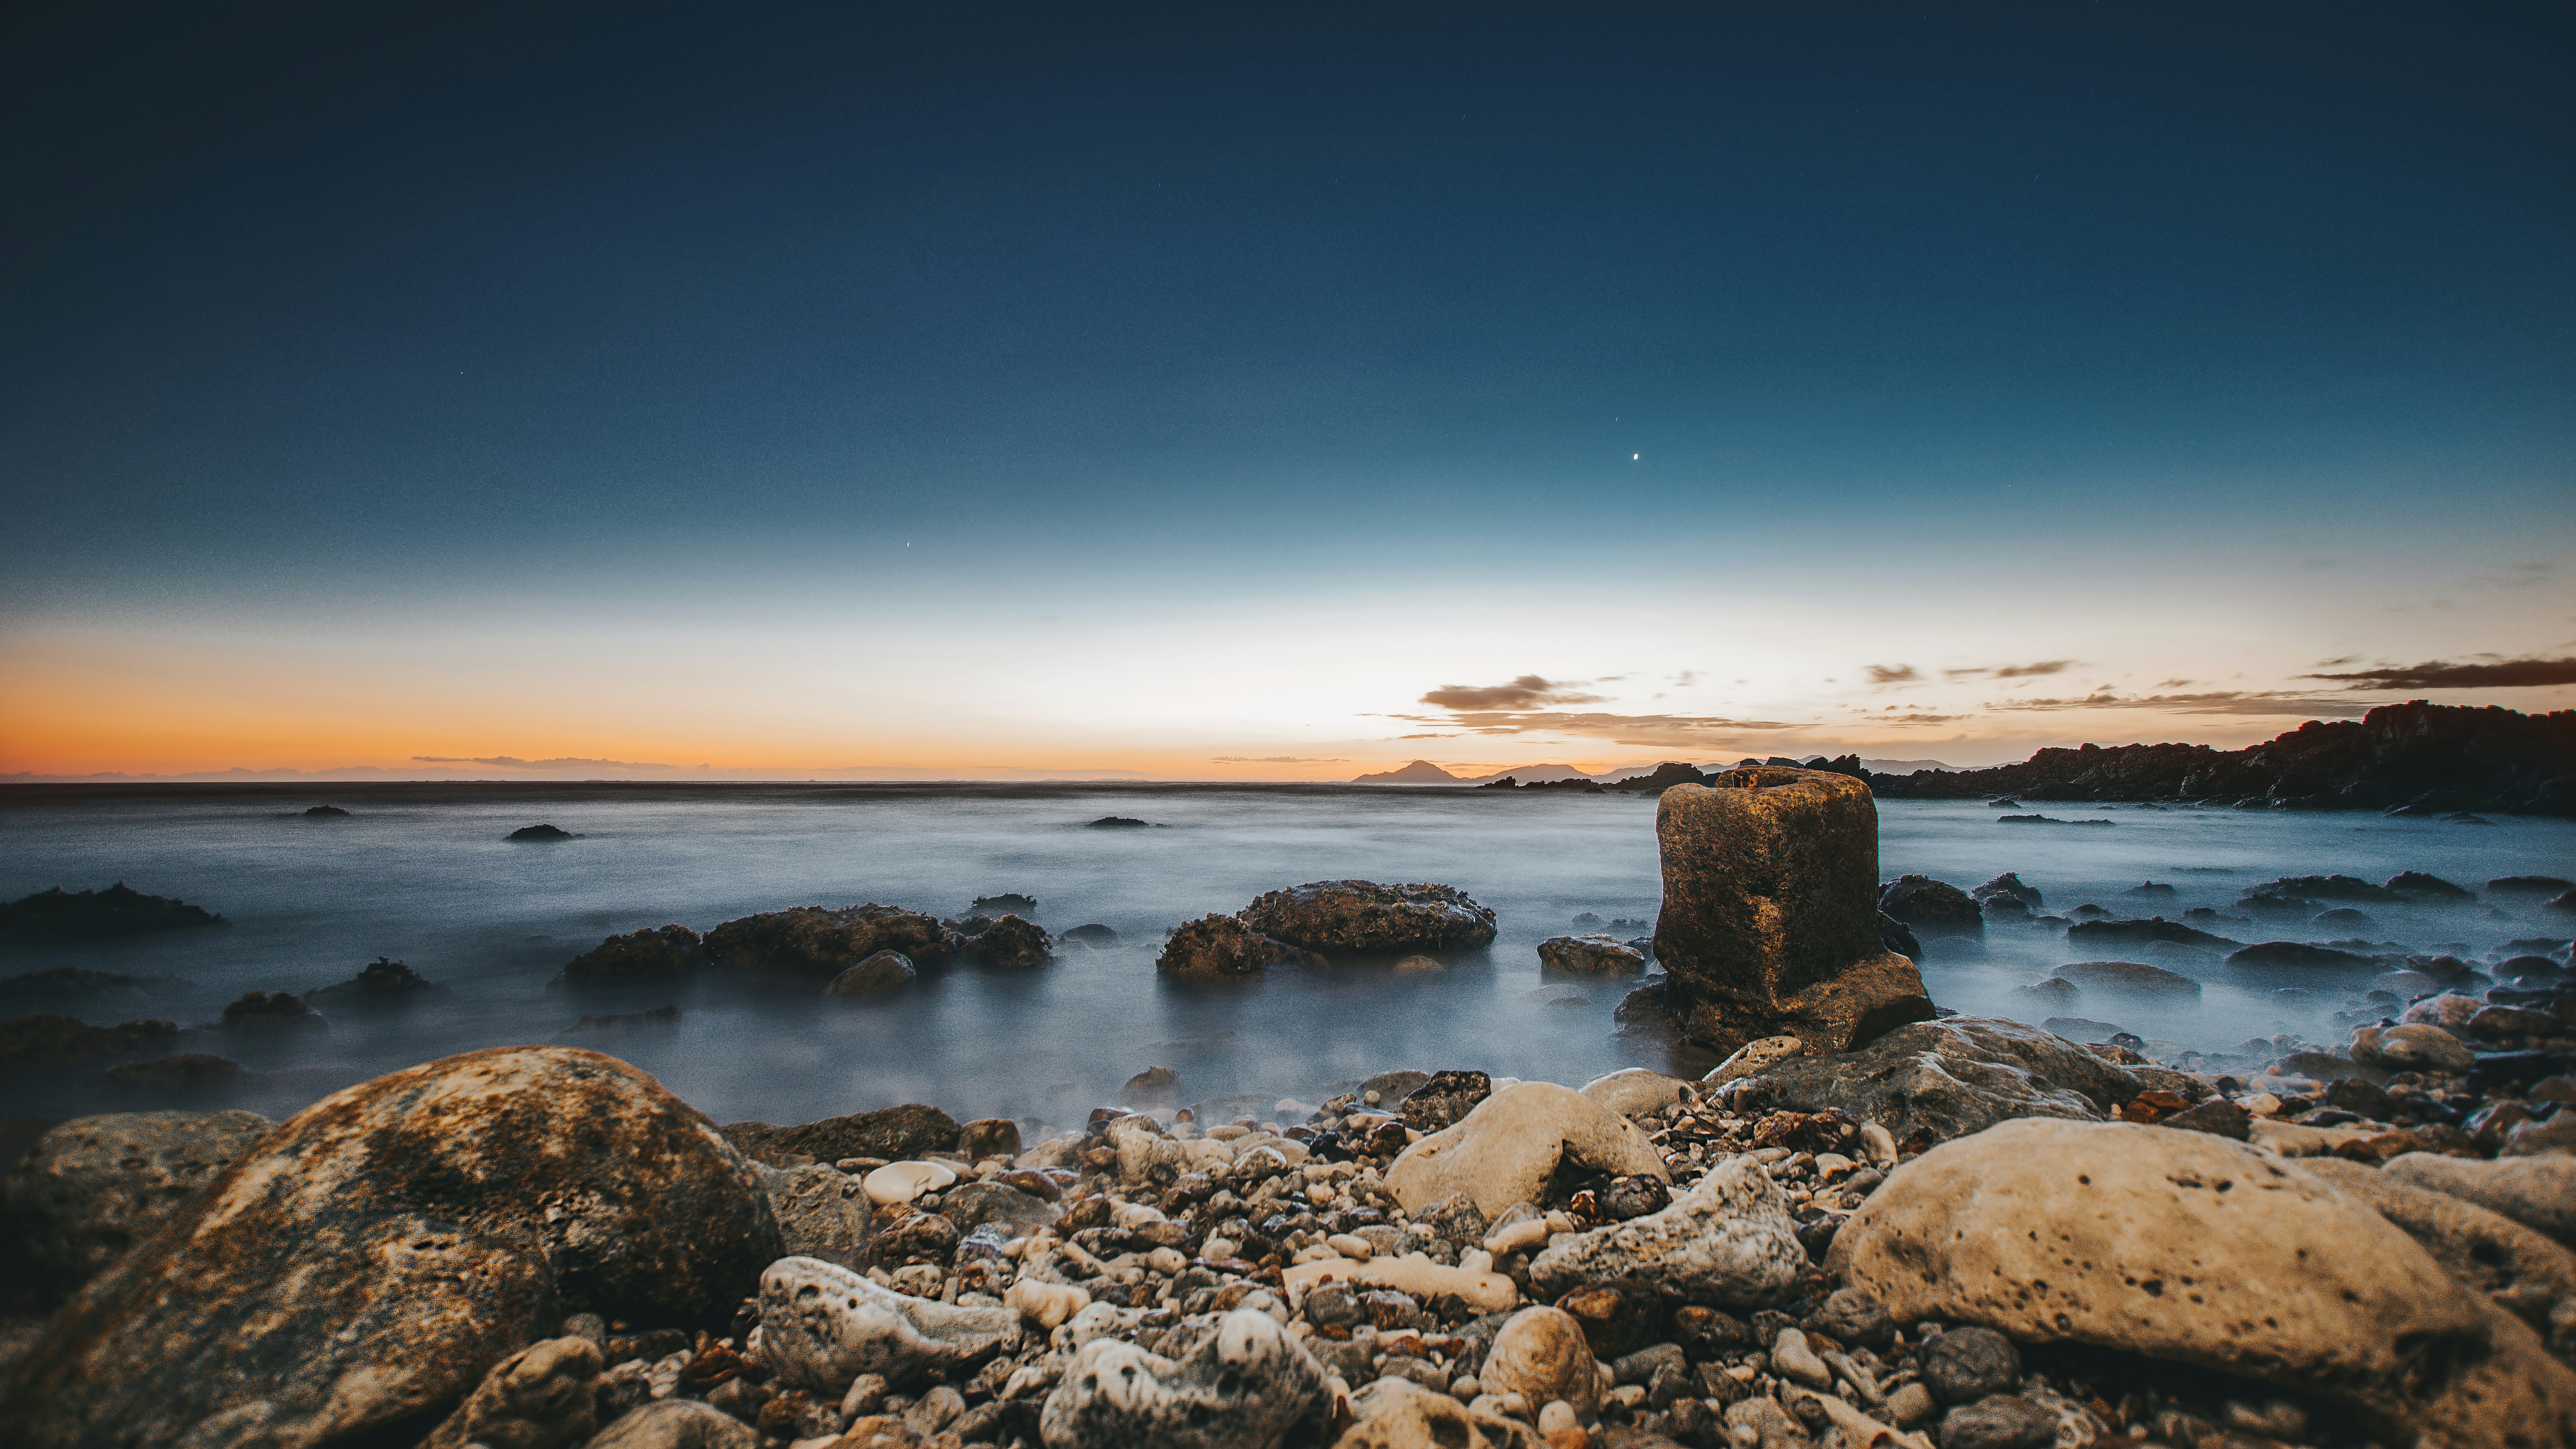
point(424, 874)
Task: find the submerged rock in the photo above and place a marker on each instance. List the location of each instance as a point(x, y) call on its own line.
point(2129, 976)
point(78, 990)
point(390, 1244)
point(1931, 907)
point(2007, 886)
point(46, 1039)
point(1237, 1381)
point(1591, 956)
point(639, 958)
point(270, 1011)
point(1364, 918)
point(382, 982)
point(2191, 1248)
point(541, 832)
point(1215, 947)
point(1118, 822)
point(92, 1188)
point(196, 1072)
point(2153, 928)
point(1507, 1148)
point(814, 943)
point(1728, 1243)
point(119, 910)
point(1011, 941)
point(822, 1326)
point(1770, 917)
point(882, 974)
point(1935, 1080)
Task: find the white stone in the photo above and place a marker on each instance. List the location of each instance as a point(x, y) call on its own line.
point(1240, 1383)
point(903, 1181)
point(1729, 1242)
point(822, 1325)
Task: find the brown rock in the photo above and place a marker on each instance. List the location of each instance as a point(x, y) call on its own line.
point(812, 943)
point(639, 958)
point(2486, 1251)
point(364, 1271)
point(92, 1188)
point(1542, 1355)
point(1364, 918)
point(1506, 1149)
point(537, 1398)
point(1215, 947)
point(2189, 1247)
point(1770, 917)
point(988, 1137)
point(894, 1134)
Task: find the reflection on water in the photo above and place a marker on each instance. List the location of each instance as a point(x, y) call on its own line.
point(423, 874)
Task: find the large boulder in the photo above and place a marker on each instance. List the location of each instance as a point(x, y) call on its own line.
point(1729, 1242)
point(1932, 907)
point(2194, 1249)
point(1216, 947)
point(1363, 918)
point(813, 943)
point(92, 1188)
point(2537, 1192)
point(1770, 922)
point(639, 958)
point(892, 1133)
point(1505, 1151)
point(357, 1276)
point(2481, 1250)
point(1935, 1080)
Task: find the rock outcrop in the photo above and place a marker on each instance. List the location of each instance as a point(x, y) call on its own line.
point(1214, 948)
point(1770, 915)
point(639, 958)
point(358, 1276)
point(119, 910)
point(814, 943)
point(1011, 941)
point(1936, 1080)
point(1364, 918)
point(92, 1188)
point(2191, 1248)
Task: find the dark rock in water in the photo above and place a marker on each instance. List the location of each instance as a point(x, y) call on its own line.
point(2325, 888)
point(895, 1134)
point(167, 1076)
point(813, 943)
point(46, 1039)
point(73, 988)
point(639, 958)
point(355, 1279)
point(2432, 887)
point(1152, 1087)
point(2565, 901)
point(2344, 918)
point(2294, 953)
point(1215, 947)
point(1898, 937)
point(1770, 922)
point(1118, 822)
point(1931, 907)
point(119, 910)
point(1091, 935)
point(2149, 888)
point(2043, 820)
point(2153, 928)
point(2053, 991)
point(1664, 777)
point(882, 974)
point(1444, 1100)
point(2512, 885)
point(322, 812)
point(269, 1011)
point(382, 982)
point(1359, 917)
point(2127, 976)
point(1590, 956)
point(1011, 941)
point(1005, 904)
point(2003, 802)
point(541, 832)
point(622, 1020)
point(92, 1188)
point(1942, 1079)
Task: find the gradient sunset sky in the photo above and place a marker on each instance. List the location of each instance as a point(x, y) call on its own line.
point(1271, 391)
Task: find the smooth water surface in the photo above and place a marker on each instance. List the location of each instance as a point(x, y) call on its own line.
point(422, 874)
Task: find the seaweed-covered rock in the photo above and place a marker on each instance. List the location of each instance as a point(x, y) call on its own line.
point(44, 1040)
point(119, 910)
point(270, 1011)
point(814, 943)
point(1591, 956)
point(1215, 947)
point(822, 1326)
point(2153, 928)
point(382, 982)
point(1364, 918)
point(1236, 1382)
point(1932, 907)
point(1936, 1080)
point(638, 958)
point(1770, 917)
point(92, 1188)
point(1011, 941)
point(358, 1276)
point(1729, 1243)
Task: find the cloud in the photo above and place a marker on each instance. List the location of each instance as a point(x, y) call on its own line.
point(1892, 674)
point(2026, 671)
point(1273, 760)
point(2172, 683)
point(2442, 674)
point(1521, 693)
point(508, 762)
point(2274, 702)
point(1919, 719)
point(1645, 730)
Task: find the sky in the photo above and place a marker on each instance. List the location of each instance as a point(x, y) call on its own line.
point(1270, 391)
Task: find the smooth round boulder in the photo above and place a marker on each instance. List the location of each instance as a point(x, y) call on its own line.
point(882, 974)
point(2196, 1249)
point(387, 1246)
point(2126, 976)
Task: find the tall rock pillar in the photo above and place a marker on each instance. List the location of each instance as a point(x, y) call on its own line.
point(1770, 918)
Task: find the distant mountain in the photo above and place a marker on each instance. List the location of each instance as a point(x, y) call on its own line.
point(1902, 767)
point(1420, 772)
point(1528, 774)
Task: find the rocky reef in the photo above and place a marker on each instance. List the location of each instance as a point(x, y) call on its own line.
point(58, 915)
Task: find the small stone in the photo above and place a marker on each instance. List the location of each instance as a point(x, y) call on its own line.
point(1556, 1417)
point(2005, 1421)
point(537, 1398)
point(1911, 1405)
point(1966, 1364)
point(1852, 1316)
point(677, 1424)
point(1542, 1355)
point(1729, 1242)
point(1792, 1359)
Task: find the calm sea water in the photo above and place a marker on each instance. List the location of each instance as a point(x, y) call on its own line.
point(423, 874)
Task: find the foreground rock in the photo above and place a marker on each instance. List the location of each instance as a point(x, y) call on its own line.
point(2187, 1247)
point(822, 1326)
point(1727, 1243)
point(119, 910)
point(392, 1243)
point(812, 943)
point(1235, 1381)
point(1505, 1151)
point(1770, 917)
point(1364, 918)
point(91, 1189)
point(2538, 1192)
point(640, 958)
point(1936, 1080)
